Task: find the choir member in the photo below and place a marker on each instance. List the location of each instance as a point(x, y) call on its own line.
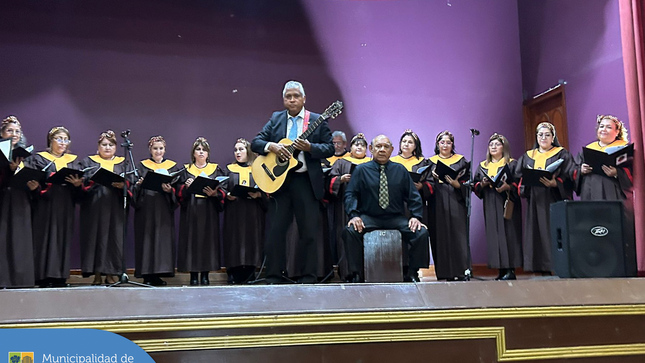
point(615, 183)
point(154, 218)
point(198, 248)
point(537, 232)
point(54, 210)
point(410, 154)
point(339, 139)
point(503, 236)
point(449, 220)
point(244, 218)
point(102, 214)
point(16, 243)
point(340, 176)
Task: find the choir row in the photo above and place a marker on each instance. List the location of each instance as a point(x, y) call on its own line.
point(37, 219)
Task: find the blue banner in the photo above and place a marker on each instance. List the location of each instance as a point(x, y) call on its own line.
point(68, 346)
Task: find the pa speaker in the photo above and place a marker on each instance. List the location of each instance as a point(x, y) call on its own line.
point(589, 239)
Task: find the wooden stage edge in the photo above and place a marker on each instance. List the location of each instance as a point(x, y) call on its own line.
point(546, 319)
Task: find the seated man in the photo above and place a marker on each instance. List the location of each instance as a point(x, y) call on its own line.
point(375, 199)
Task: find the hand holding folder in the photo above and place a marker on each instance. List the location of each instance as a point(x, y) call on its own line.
point(106, 178)
point(200, 182)
point(615, 157)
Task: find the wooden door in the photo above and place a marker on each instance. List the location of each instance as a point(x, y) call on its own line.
point(549, 106)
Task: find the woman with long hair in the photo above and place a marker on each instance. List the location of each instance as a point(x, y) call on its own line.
point(502, 208)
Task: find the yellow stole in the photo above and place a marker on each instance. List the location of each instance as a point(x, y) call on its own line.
point(357, 161)
point(243, 171)
point(408, 163)
point(541, 158)
point(195, 171)
point(152, 165)
point(61, 161)
point(332, 159)
point(448, 161)
point(492, 168)
point(107, 164)
point(596, 145)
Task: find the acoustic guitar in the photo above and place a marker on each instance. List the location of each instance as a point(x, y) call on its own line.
point(269, 171)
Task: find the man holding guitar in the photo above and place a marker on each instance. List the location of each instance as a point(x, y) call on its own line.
point(295, 180)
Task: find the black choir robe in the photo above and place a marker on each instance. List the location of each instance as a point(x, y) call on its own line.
point(244, 222)
point(503, 236)
point(102, 219)
point(154, 225)
point(337, 190)
point(16, 242)
point(537, 230)
point(449, 223)
point(199, 241)
point(53, 217)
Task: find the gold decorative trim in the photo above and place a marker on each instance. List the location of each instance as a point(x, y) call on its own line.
point(321, 319)
point(382, 336)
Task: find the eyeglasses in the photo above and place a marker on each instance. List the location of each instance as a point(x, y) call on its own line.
point(541, 135)
point(338, 142)
point(62, 141)
point(13, 132)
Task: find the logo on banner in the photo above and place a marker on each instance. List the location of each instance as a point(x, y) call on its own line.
point(21, 357)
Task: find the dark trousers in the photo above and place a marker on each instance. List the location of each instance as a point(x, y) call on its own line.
point(294, 197)
point(417, 242)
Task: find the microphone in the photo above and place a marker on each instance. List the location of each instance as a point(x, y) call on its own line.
point(125, 133)
point(472, 131)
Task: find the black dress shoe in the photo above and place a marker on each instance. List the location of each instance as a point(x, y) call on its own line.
point(411, 279)
point(204, 280)
point(194, 279)
point(510, 275)
point(354, 278)
point(59, 283)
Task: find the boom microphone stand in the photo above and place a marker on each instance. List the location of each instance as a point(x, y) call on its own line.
point(469, 184)
point(127, 149)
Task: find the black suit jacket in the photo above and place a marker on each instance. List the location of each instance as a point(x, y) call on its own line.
point(321, 145)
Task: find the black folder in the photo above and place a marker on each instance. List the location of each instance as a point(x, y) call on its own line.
point(59, 176)
point(24, 175)
point(242, 191)
point(21, 152)
point(503, 175)
point(419, 174)
point(616, 158)
point(5, 151)
point(200, 182)
point(106, 178)
point(153, 180)
point(442, 170)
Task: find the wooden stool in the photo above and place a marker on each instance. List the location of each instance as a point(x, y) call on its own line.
point(382, 256)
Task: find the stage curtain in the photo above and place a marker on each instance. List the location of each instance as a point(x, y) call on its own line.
point(631, 28)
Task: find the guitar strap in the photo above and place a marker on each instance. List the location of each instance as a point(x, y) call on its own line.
point(305, 126)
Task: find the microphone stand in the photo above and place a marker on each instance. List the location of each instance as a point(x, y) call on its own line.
point(127, 149)
point(468, 274)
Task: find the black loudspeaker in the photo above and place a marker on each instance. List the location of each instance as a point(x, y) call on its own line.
point(589, 239)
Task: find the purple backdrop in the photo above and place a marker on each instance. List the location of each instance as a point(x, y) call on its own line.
point(216, 68)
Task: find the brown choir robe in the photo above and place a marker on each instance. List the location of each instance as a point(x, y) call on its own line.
point(450, 222)
point(244, 227)
point(337, 190)
point(16, 243)
point(53, 218)
point(503, 236)
point(198, 249)
point(102, 219)
point(537, 231)
point(154, 225)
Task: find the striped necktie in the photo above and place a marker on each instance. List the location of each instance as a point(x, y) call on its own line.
point(383, 195)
